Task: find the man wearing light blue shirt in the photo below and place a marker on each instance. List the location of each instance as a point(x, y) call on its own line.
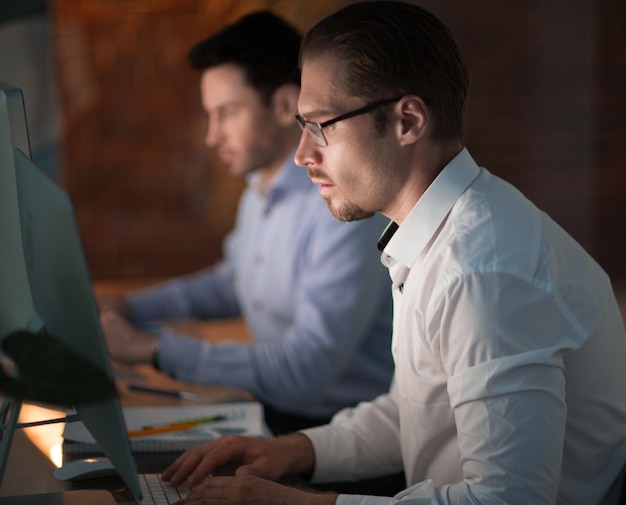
point(313, 293)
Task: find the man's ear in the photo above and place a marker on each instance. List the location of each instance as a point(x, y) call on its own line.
point(285, 104)
point(414, 119)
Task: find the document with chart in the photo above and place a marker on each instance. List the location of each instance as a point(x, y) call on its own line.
point(164, 429)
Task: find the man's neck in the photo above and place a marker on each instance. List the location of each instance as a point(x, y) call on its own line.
point(429, 165)
point(264, 178)
point(266, 175)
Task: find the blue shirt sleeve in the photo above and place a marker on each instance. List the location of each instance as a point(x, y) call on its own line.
point(335, 353)
point(208, 294)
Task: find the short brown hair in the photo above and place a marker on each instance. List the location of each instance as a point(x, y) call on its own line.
point(264, 45)
point(391, 49)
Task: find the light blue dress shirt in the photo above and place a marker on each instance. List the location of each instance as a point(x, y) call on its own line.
point(314, 295)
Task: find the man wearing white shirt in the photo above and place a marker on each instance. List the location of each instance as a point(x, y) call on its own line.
point(509, 348)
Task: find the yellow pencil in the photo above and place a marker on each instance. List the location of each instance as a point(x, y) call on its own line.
point(144, 432)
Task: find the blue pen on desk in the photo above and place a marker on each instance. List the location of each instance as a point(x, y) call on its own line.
point(174, 393)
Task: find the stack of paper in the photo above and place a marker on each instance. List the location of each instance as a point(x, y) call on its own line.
point(164, 429)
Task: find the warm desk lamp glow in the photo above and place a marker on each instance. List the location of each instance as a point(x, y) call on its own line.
point(47, 438)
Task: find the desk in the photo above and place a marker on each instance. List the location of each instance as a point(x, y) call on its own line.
point(35, 452)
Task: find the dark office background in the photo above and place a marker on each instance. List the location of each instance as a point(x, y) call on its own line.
point(546, 112)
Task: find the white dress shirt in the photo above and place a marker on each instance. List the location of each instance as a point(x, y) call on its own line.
point(510, 354)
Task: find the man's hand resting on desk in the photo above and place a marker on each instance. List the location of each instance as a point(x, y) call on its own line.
point(116, 303)
point(260, 462)
point(124, 342)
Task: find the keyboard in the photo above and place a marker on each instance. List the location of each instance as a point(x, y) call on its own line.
point(157, 492)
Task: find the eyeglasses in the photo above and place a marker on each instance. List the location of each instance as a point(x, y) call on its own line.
point(315, 129)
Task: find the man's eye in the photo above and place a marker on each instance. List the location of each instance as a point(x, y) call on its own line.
point(227, 112)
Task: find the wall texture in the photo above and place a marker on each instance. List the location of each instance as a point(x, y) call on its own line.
point(546, 113)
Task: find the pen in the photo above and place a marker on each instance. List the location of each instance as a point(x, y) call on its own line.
point(173, 426)
point(184, 395)
point(143, 432)
point(193, 422)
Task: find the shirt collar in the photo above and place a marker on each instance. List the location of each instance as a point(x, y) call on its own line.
point(410, 239)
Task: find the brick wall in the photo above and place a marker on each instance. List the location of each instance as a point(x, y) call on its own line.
point(150, 199)
point(546, 113)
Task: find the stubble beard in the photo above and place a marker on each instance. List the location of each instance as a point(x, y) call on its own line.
point(347, 212)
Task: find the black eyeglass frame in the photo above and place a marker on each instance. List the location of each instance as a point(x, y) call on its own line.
point(304, 124)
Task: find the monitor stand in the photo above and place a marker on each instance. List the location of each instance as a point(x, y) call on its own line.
point(10, 410)
point(9, 414)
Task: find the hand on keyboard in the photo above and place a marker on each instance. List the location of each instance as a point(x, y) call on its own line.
point(157, 492)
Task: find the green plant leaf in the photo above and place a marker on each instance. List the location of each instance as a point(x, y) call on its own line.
point(50, 371)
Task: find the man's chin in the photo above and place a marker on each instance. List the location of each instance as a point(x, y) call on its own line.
point(235, 169)
point(237, 172)
point(348, 212)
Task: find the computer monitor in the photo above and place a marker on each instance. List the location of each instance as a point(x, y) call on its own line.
point(15, 300)
point(61, 297)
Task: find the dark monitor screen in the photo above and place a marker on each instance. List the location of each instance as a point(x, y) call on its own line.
point(60, 297)
point(15, 300)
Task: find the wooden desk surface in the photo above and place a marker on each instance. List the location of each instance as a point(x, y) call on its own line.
point(36, 452)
